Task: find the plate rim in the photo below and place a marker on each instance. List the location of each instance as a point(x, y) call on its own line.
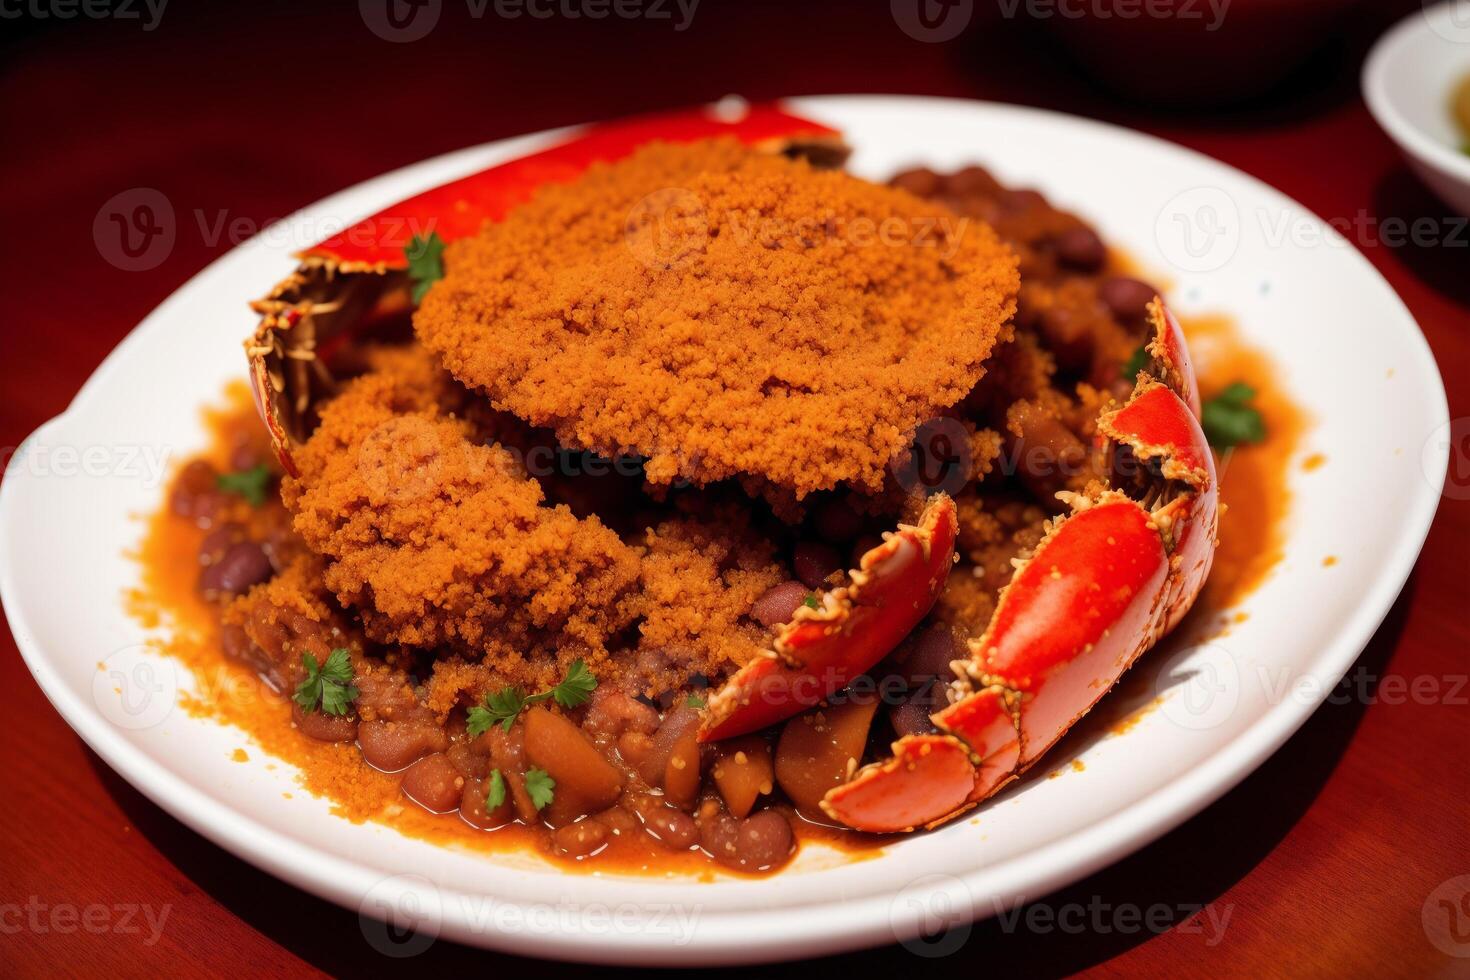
point(865, 921)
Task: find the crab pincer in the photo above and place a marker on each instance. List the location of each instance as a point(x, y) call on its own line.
point(850, 629)
point(1102, 586)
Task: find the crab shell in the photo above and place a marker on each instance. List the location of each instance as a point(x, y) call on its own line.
point(358, 278)
point(1102, 586)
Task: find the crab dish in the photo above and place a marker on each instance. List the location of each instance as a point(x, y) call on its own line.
point(673, 485)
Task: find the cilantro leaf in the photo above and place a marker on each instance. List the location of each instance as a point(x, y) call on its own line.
point(811, 602)
point(1229, 419)
point(499, 708)
point(327, 686)
point(425, 263)
point(694, 701)
point(495, 798)
point(541, 787)
point(502, 707)
point(1136, 363)
point(250, 484)
point(576, 688)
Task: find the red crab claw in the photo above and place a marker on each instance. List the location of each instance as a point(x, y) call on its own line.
point(853, 627)
point(359, 278)
point(1102, 586)
point(1171, 361)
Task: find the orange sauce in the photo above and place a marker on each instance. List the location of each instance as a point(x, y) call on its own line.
point(232, 694)
point(1253, 478)
point(1253, 489)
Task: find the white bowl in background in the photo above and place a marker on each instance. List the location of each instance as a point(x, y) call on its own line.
point(1408, 80)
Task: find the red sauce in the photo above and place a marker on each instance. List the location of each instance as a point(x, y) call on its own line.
point(1253, 488)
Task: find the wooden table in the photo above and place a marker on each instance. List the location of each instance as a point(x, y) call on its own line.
point(1322, 860)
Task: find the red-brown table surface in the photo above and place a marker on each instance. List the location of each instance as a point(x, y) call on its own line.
point(1323, 859)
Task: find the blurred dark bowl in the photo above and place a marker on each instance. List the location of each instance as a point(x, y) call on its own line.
point(1204, 58)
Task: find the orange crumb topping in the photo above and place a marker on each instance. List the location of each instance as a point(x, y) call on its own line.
point(724, 312)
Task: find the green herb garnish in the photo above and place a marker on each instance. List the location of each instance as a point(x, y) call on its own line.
point(495, 798)
point(425, 263)
point(498, 708)
point(694, 701)
point(1229, 419)
point(506, 704)
point(541, 787)
point(575, 689)
point(811, 602)
point(328, 686)
point(250, 484)
point(1136, 363)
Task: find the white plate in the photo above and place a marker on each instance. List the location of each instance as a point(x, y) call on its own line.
point(1407, 81)
point(1350, 353)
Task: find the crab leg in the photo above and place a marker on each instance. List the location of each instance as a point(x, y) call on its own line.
point(359, 277)
point(821, 650)
point(1103, 585)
